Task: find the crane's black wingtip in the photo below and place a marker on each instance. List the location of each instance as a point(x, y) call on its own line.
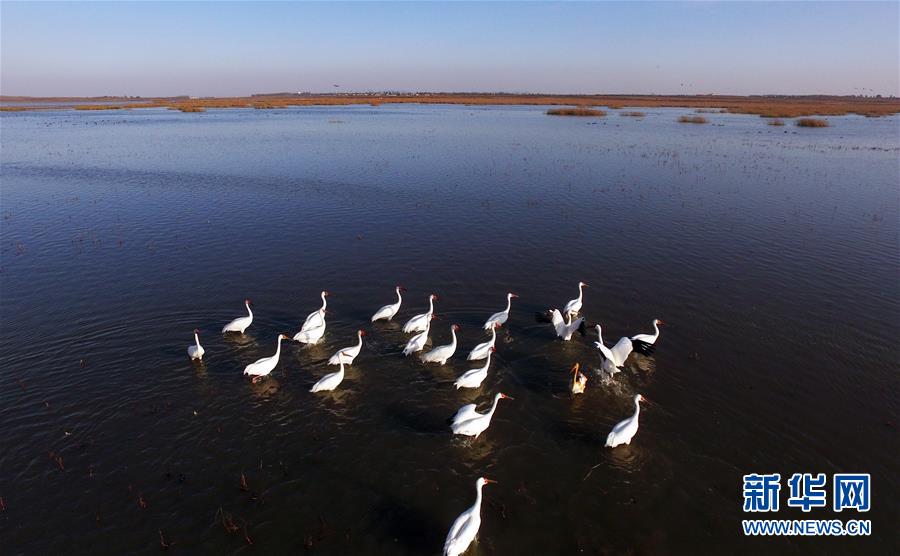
point(583, 329)
point(643, 347)
point(542, 317)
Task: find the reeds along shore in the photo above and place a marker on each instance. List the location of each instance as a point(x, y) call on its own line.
point(771, 107)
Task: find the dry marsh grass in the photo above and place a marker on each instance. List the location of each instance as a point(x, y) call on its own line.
point(767, 106)
point(575, 111)
point(776, 122)
point(710, 110)
point(692, 120)
point(812, 122)
point(633, 114)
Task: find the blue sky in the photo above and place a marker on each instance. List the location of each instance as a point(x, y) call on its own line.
point(238, 48)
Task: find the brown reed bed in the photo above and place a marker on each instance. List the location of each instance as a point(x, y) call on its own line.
point(633, 114)
point(576, 111)
point(776, 122)
point(811, 122)
point(767, 106)
point(692, 120)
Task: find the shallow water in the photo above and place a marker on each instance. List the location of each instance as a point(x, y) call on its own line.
point(772, 254)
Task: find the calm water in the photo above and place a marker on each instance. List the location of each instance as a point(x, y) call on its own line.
point(772, 253)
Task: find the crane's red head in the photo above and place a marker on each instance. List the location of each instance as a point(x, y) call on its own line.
point(248, 302)
point(505, 397)
point(401, 288)
point(455, 327)
point(362, 332)
point(511, 294)
point(488, 481)
point(197, 331)
point(493, 349)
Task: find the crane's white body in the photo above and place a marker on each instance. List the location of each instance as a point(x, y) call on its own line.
point(441, 354)
point(574, 306)
point(311, 335)
point(329, 381)
point(347, 355)
point(417, 342)
point(483, 349)
point(421, 322)
point(474, 377)
point(499, 319)
point(473, 423)
point(465, 528)
point(388, 311)
point(317, 317)
point(196, 351)
point(614, 357)
point(565, 329)
point(262, 367)
point(623, 432)
point(649, 338)
point(241, 323)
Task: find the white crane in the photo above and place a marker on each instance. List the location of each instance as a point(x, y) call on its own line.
point(262, 367)
point(469, 422)
point(614, 357)
point(649, 339)
point(483, 349)
point(563, 329)
point(474, 377)
point(441, 354)
point(499, 319)
point(574, 306)
point(241, 323)
point(329, 381)
point(388, 311)
point(623, 432)
point(317, 317)
point(347, 355)
point(465, 528)
point(419, 322)
point(417, 342)
point(311, 335)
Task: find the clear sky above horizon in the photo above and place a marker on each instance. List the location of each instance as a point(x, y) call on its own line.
point(239, 48)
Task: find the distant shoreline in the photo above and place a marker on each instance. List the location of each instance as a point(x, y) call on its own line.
point(765, 106)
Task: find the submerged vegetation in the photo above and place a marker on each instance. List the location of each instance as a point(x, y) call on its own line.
point(575, 111)
point(812, 122)
point(692, 120)
point(776, 122)
point(633, 114)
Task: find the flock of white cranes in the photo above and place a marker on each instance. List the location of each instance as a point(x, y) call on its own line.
point(468, 420)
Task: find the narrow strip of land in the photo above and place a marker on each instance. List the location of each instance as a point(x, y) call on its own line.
point(766, 106)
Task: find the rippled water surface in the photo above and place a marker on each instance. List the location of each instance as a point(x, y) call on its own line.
point(771, 252)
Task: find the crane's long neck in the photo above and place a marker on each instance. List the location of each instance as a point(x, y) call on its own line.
point(341, 371)
point(494, 406)
point(430, 304)
point(602, 347)
point(359, 345)
point(637, 409)
point(197, 339)
point(476, 508)
point(655, 331)
point(453, 334)
point(488, 362)
point(278, 347)
point(493, 337)
point(580, 291)
point(600, 335)
point(508, 303)
point(399, 297)
point(324, 301)
point(249, 312)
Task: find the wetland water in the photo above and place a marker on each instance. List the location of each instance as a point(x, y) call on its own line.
point(771, 252)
